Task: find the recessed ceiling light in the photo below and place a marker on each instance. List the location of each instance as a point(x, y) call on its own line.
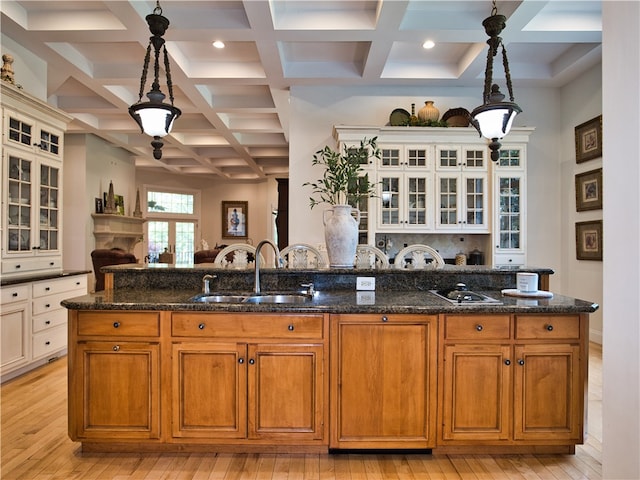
point(218, 44)
point(428, 44)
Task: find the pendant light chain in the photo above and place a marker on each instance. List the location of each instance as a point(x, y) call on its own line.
point(167, 70)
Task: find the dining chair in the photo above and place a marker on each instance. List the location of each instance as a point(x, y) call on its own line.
point(302, 255)
point(418, 256)
point(368, 256)
point(237, 255)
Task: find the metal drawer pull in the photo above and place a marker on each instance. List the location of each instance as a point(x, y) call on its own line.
point(252, 361)
point(521, 362)
point(116, 324)
point(241, 360)
point(46, 289)
point(48, 322)
point(479, 328)
point(47, 305)
point(116, 348)
point(290, 327)
point(549, 328)
point(14, 294)
point(385, 319)
point(47, 342)
point(507, 362)
point(201, 326)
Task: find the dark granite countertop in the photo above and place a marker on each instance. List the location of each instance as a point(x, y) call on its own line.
point(34, 277)
point(331, 301)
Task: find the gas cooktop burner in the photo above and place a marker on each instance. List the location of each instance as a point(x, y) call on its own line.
point(461, 295)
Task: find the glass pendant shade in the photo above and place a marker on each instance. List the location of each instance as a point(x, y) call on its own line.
point(493, 121)
point(154, 120)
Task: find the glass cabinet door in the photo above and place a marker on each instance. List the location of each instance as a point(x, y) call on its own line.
point(20, 187)
point(389, 205)
point(509, 215)
point(49, 207)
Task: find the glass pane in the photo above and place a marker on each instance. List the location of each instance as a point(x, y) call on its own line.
point(185, 242)
point(158, 239)
point(166, 202)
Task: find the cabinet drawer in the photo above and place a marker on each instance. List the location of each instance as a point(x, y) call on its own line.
point(506, 259)
point(67, 284)
point(49, 341)
point(14, 293)
point(138, 324)
point(49, 319)
point(475, 327)
point(20, 265)
point(547, 326)
point(246, 325)
point(48, 303)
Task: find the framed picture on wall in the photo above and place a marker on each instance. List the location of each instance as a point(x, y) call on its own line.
point(235, 219)
point(589, 140)
point(589, 240)
point(589, 190)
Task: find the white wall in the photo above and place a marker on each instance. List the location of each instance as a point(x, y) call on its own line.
point(621, 278)
point(580, 101)
point(90, 164)
point(30, 71)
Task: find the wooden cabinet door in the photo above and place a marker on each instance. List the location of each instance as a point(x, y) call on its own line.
point(547, 400)
point(286, 391)
point(209, 390)
point(476, 392)
point(115, 391)
point(383, 390)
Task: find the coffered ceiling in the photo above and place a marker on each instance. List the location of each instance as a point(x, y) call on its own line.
point(234, 101)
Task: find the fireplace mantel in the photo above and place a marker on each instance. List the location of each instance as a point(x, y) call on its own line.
point(117, 231)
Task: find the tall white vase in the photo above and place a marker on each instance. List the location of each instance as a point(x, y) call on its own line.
point(341, 235)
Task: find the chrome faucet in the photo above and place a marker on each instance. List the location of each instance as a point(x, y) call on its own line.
point(256, 286)
point(206, 281)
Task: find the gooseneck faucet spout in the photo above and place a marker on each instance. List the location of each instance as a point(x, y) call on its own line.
point(256, 287)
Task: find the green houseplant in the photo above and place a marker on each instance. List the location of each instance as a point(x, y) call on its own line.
point(343, 186)
point(343, 181)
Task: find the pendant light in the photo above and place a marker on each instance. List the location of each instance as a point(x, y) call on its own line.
point(493, 119)
point(155, 117)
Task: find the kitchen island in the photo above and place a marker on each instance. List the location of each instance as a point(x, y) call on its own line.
point(396, 368)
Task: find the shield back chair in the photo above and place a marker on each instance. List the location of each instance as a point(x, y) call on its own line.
point(418, 257)
point(303, 256)
point(368, 256)
point(237, 255)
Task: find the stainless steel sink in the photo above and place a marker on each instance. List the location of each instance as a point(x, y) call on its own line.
point(218, 298)
point(277, 298)
point(251, 298)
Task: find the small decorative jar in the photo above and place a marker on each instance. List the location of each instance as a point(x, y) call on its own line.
point(429, 112)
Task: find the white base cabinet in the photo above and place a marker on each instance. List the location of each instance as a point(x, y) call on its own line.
point(33, 323)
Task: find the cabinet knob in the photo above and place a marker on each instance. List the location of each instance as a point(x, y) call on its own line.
point(47, 305)
point(18, 266)
point(252, 361)
point(47, 289)
point(14, 294)
point(479, 328)
point(549, 328)
point(507, 362)
point(385, 319)
point(241, 360)
point(116, 348)
point(116, 324)
point(47, 342)
point(48, 322)
point(201, 326)
point(521, 362)
point(291, 327)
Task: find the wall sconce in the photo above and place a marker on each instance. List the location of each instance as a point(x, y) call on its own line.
point(493, 119)
point(155, 117)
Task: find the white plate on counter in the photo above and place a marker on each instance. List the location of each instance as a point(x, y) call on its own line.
point(514, 292)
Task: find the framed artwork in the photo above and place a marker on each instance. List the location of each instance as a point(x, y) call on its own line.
point(589, 190)
point(589, 140)
point(99, 205)
point(589, 240)
point(235, 219)
point(118, 202)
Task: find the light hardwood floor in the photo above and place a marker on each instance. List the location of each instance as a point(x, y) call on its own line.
point(35, 446)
